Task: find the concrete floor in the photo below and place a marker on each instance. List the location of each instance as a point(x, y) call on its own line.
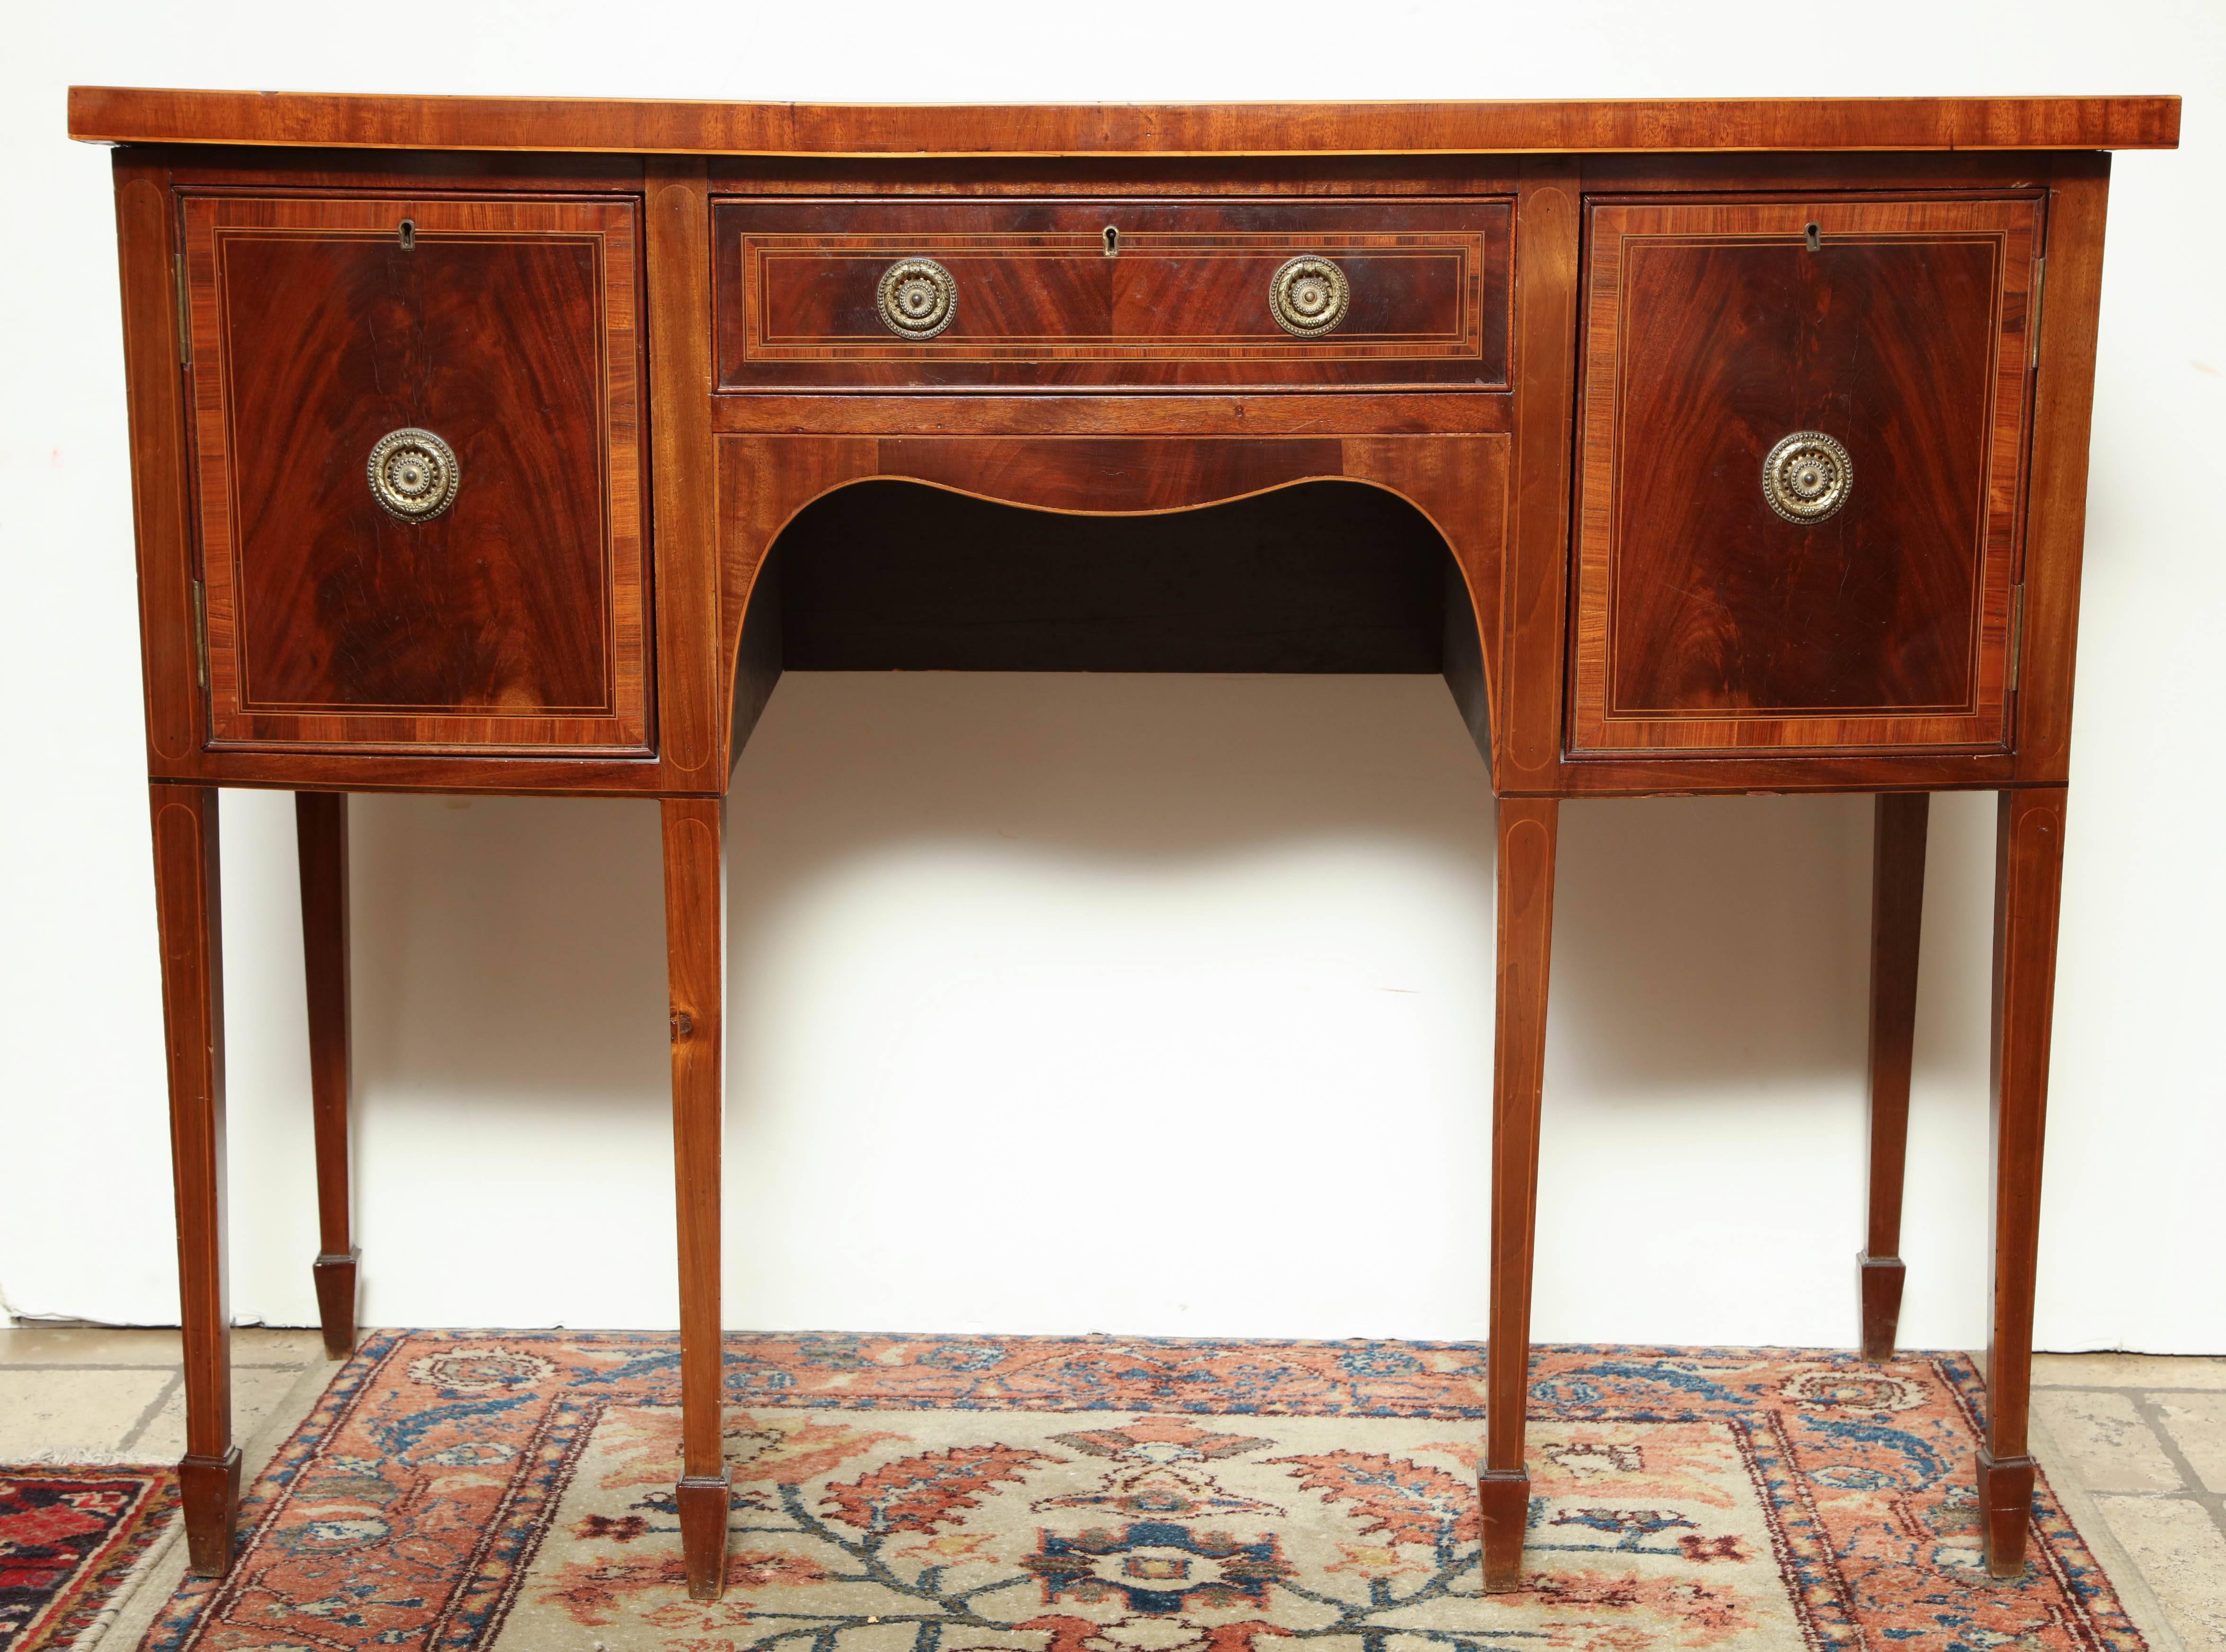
point(2135, 1445)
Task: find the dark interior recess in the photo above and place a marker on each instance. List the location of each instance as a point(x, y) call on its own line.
point(1322, 577)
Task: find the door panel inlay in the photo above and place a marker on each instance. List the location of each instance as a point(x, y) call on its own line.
point(419, 457)
point(1802, 440)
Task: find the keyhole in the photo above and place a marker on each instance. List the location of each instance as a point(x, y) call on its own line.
point(1815, 234)
point(408, 234)
point(1112, 241)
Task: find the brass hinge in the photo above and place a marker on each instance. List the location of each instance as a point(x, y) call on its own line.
point(185, 327)
point(2017, 632)
point(2033, 314)
point(201, 636)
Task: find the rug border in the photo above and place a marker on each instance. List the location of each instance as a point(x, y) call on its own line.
point(2049, 1526)
point(87, 1592)
point(179, 1622)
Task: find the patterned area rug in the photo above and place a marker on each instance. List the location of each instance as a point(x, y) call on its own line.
point(68, 1538)
point(514, 1493)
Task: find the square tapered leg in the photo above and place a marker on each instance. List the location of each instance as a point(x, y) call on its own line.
point(695, 941)
point(2028, 883)
point(1897, 915)
point(321, 841)
point(1527, 831)
point(186, 899)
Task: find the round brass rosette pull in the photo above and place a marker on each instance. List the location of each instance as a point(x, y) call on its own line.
point(1308, 295)
point(1807, 477)
point(918, 298)
point(413, 475)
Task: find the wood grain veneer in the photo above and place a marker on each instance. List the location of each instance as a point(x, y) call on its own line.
point(1706, 621)
point(2056, 499)
point(149, 115)
point(692, 701)
point(162, 492)
point(1181, 301)
point(1521, 732)
point(514, 618)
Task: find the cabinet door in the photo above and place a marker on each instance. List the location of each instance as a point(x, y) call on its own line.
point(418, 453)
point(1801, 474)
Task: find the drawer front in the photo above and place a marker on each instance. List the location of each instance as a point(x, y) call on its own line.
point(418, 471)
point(1032, 293)
point(1801, 474)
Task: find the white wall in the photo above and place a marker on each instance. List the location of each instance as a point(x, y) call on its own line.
point(1154, 1005)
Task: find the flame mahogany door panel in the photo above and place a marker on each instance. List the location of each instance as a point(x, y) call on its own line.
point(1705, 621)
point(1182, 301)
point(513, 618)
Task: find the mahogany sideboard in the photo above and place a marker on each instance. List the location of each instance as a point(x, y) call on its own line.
point(513, 445)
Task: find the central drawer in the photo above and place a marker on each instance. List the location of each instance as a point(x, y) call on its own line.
point(944, 295)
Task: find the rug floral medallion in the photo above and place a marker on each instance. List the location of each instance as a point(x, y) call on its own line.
point(466, 1493)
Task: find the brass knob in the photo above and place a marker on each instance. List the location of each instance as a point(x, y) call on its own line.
point(918, 298)
point(1807, 477)
point(1308, 295)
point(413, 475)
